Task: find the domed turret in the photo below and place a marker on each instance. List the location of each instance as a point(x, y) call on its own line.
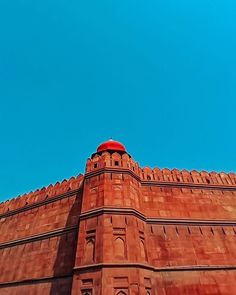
point(111, 145)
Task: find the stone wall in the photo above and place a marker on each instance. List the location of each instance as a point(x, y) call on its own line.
point(152, 231)
point(38, 240)
point(122, 230)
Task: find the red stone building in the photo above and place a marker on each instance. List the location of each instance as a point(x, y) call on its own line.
point(120, 229)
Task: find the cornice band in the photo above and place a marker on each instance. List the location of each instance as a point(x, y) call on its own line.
point(39, 237)
point(39, 204)
point(161, 183)
point(34, 281)
point(153, 220)
point(154, 268)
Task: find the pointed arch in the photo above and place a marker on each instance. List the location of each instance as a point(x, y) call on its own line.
point(89, 251)
point(142, 249)
point(119, 246)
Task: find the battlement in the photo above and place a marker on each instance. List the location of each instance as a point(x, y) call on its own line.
point(119, 229)
point(42, 194)
point(124, 161)
point(116, 160)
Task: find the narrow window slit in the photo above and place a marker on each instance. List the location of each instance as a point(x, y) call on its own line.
point(177, 231)
point(200, 230)
point(164, 230)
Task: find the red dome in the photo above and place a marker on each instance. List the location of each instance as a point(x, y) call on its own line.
point(111, 145)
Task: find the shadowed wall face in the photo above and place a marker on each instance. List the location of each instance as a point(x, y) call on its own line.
point(38, 243)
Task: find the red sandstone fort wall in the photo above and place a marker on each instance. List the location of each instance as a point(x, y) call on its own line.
point(38, 240)
point(121, 229)
point(193, 203)
point(157, 231)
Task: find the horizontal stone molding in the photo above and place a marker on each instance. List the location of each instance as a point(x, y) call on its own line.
point(174, 184)
point(34, 281)
point(190, 185)
point(153, 220)
point(38, 237)
point(152, 182)
point(39, 204)
point(111, 170)
point(153, 268)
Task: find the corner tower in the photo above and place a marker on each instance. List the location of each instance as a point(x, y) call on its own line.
point(154, 231)
point(111, 178)
point(111, 239)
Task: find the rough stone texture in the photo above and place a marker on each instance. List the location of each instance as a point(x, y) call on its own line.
point(121, 230)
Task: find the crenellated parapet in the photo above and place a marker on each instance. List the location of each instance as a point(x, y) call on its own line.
point(42, 194)
point(184, 176)
point(122, 162)
point(112, 160)
point(115, 160)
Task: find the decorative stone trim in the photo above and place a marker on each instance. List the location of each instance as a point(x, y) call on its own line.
point(39, 237)
point(153, 220)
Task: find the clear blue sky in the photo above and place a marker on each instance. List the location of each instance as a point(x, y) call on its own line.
point(160, 76)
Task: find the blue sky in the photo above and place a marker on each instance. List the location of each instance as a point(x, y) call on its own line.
point(160, 76)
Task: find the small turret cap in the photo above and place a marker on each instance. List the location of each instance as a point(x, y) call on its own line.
point(111, 145)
